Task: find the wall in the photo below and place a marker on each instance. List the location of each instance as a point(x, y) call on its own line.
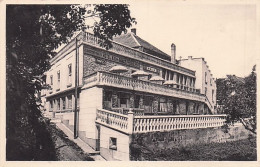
point(94, 61)
point(200, 66)
point(122, 152)
point(158, 141)
point(62, 65)
point(90, 100)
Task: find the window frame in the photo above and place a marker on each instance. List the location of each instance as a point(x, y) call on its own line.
point(113, 143)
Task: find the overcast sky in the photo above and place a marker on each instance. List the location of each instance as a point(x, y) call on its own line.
point(224, 34)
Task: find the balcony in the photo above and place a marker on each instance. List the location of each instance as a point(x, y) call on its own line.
point(129, 123)
point(119, 81)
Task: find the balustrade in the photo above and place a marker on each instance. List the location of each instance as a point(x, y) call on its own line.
point(110, 79)
point(112, 119)
point(136, 111)
point(142, 124)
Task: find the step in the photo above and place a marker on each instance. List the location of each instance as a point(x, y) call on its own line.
point(84, 146)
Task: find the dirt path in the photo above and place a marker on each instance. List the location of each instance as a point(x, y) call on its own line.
point(66, 150)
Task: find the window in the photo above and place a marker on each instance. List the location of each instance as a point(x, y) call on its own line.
point(206, 80)
point(63, 103)
point(205, 90)
point(123, 100)
point(70, 101)
point(51, 106)
point(137, 101)
point(213, 95)
point(58, 79)
point(148, 100)
point(51, 80)
point(58, 104)
point(162, 105)
point(171, 75)
point(107, 95)
point(163, 73)
point(112, 143)
point(107, 103)
point(69, 75)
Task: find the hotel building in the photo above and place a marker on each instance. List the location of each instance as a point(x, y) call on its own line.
point(132, 88)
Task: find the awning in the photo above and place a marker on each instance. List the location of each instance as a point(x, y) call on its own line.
point(118, 69)
point(156, 78)
point(140, 73)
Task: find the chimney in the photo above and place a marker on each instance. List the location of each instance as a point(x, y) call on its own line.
point(189, 57)
point(173, 53)
point(133, 30)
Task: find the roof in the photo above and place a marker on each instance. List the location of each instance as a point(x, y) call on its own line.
point(134, 41)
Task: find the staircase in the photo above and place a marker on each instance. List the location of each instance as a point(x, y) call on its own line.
point(66, 124)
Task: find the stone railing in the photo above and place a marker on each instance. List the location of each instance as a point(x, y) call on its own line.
point(114, 120)
point(119, 81)
point(136, 111)
point(133, 53)
point(141, 124)
point(144, 124)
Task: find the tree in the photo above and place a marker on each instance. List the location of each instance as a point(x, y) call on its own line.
point(33, 32)
point(238, 96)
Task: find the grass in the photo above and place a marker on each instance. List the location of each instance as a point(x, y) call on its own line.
point(242, 150)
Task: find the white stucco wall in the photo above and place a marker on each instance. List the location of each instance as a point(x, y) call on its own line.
point(61, 64)
point(90, 100)
point(122, 152)
point(200, 66)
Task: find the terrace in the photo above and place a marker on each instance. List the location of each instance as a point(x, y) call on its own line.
point(118, 81)
point(130, 123)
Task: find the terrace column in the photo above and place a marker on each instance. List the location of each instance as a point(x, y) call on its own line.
point(132, 101)
point(130, 121)
point(175, 79)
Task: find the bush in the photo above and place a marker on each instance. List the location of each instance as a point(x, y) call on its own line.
point(242, 150)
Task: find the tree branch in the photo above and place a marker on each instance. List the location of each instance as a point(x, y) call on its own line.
point(246, 126)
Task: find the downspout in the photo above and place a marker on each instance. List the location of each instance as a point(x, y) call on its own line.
point(76, 92)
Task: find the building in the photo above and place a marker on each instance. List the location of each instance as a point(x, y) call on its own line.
point(132, 88)
point(204, 79)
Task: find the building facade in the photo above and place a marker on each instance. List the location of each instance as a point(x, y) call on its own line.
point(131, 88)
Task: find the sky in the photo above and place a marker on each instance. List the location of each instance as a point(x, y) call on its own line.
point(224, 34)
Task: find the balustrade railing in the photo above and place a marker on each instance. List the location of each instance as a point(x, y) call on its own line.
point(112, 119)
point(124, 50)
point(142, 124)
point(110, 79)
point(136, 111)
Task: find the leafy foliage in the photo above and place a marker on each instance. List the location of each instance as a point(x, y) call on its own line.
point(242, 150)
point(238, 96)
point(33, 32)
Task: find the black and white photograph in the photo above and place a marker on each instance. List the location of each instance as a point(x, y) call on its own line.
point(170, 81)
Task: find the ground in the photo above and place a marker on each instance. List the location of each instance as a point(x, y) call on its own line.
point(66, 150)
point(242, 150)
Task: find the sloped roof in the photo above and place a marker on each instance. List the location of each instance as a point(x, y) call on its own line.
point(127, 39)
point(134, 41)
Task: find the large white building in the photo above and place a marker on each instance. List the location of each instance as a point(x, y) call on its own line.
point(131, 88)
